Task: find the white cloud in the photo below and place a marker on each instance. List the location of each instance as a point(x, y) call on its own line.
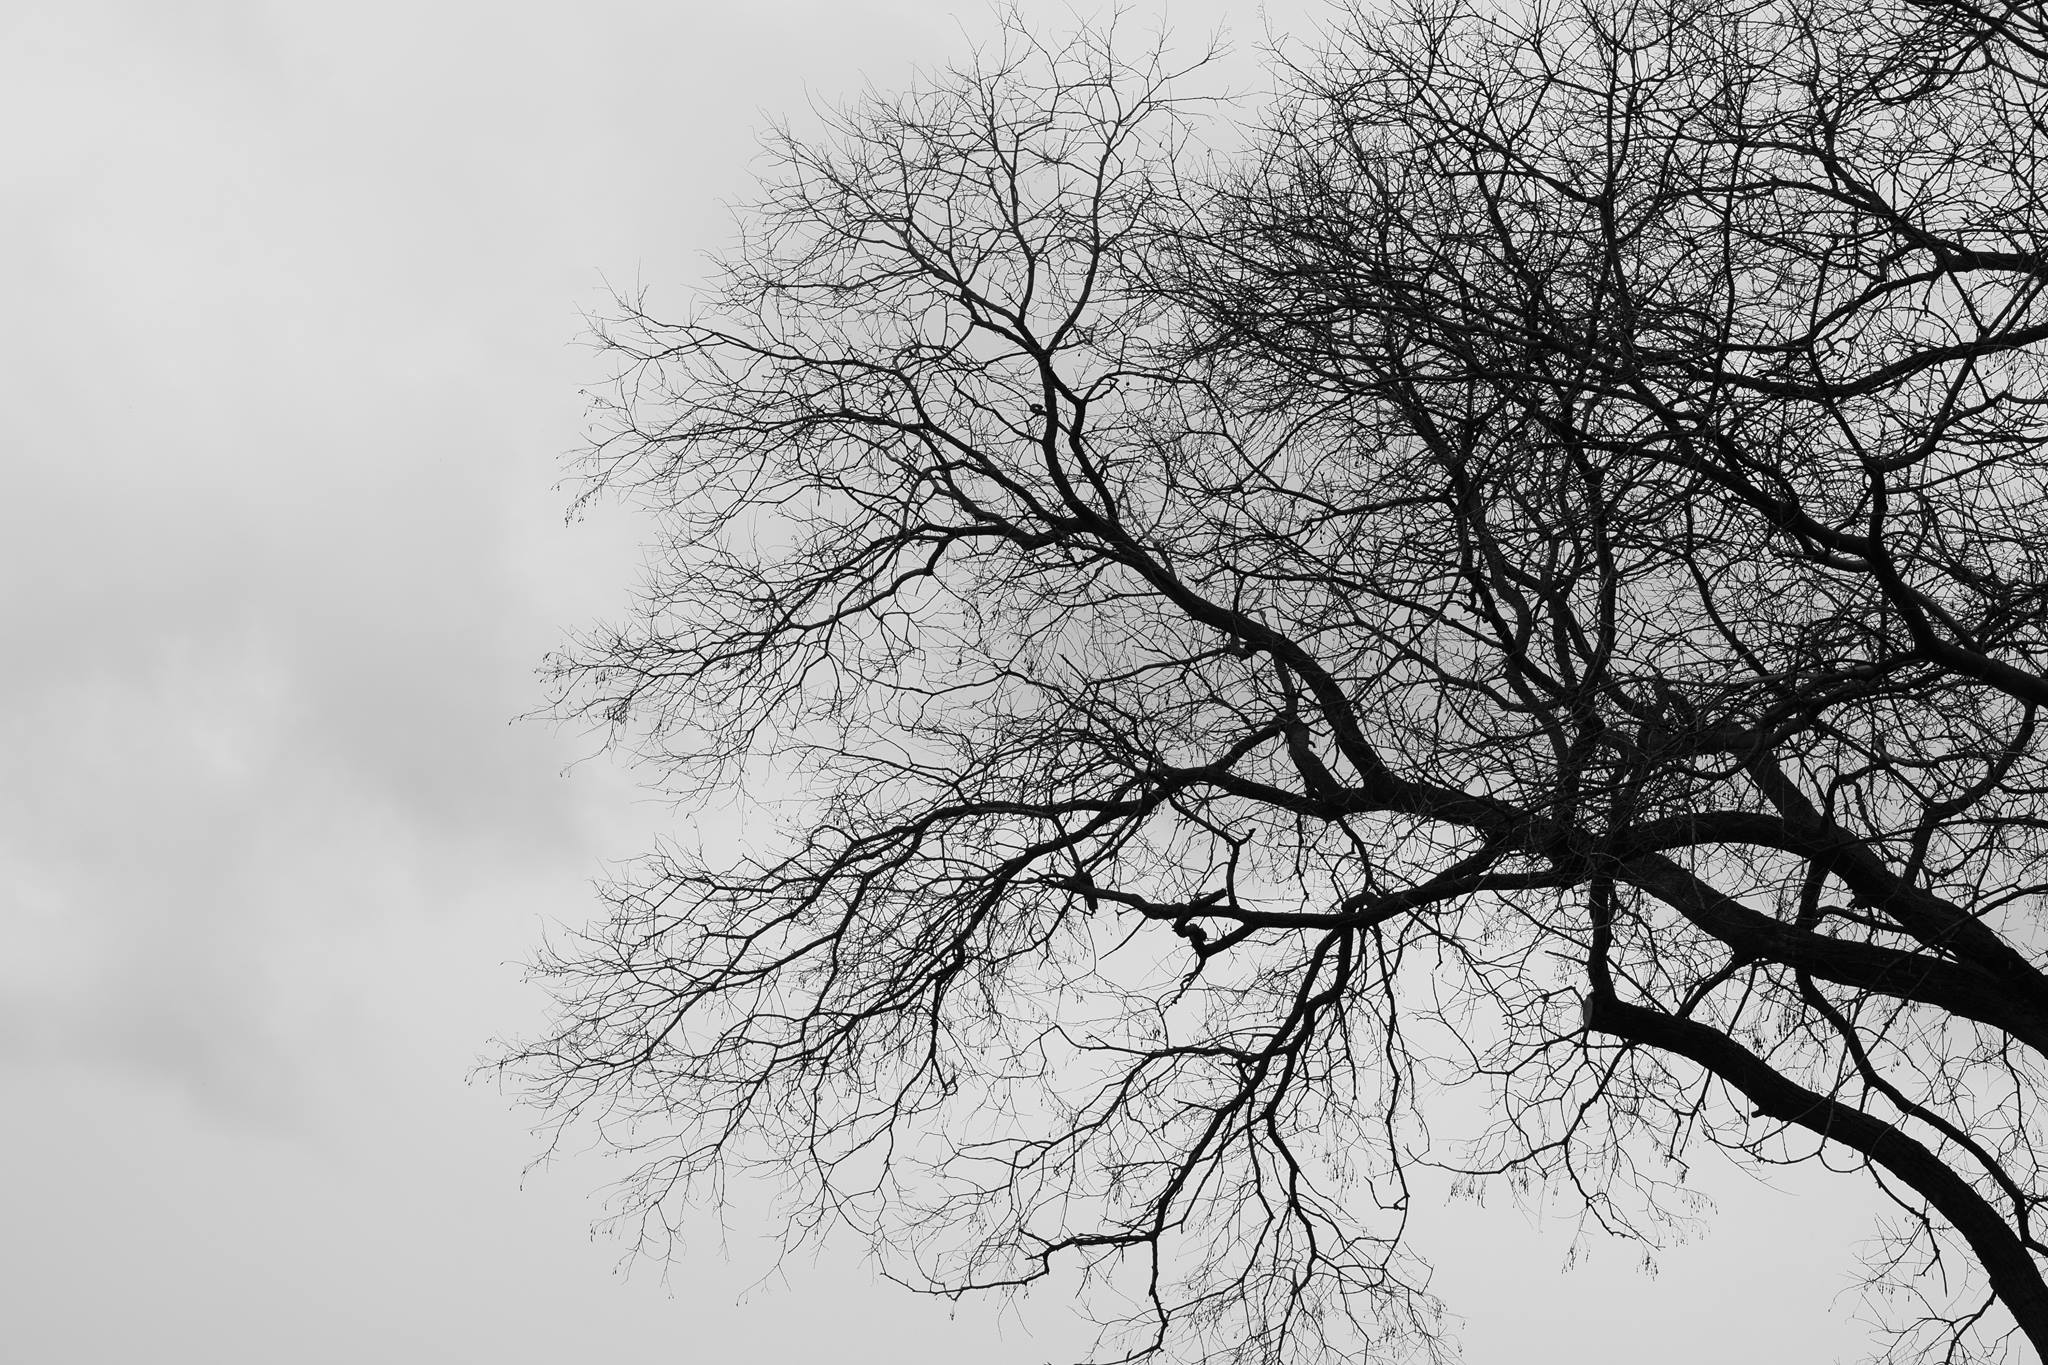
point(289, 362)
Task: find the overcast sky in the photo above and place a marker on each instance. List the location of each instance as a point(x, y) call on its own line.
point(287, 365)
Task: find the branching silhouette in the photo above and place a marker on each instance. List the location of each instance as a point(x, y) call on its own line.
point(1519, 588)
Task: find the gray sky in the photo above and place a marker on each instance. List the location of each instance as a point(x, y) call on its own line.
point(291, 296)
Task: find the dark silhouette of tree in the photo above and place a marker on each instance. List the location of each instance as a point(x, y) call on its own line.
point(1519, 590)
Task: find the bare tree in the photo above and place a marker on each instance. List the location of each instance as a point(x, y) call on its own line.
point(1526, 582)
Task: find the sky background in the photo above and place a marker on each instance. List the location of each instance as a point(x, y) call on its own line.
point(289, 363)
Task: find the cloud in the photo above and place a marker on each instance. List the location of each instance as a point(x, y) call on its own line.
point(289, 364)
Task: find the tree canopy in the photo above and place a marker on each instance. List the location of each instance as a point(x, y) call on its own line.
point(1486, 612)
